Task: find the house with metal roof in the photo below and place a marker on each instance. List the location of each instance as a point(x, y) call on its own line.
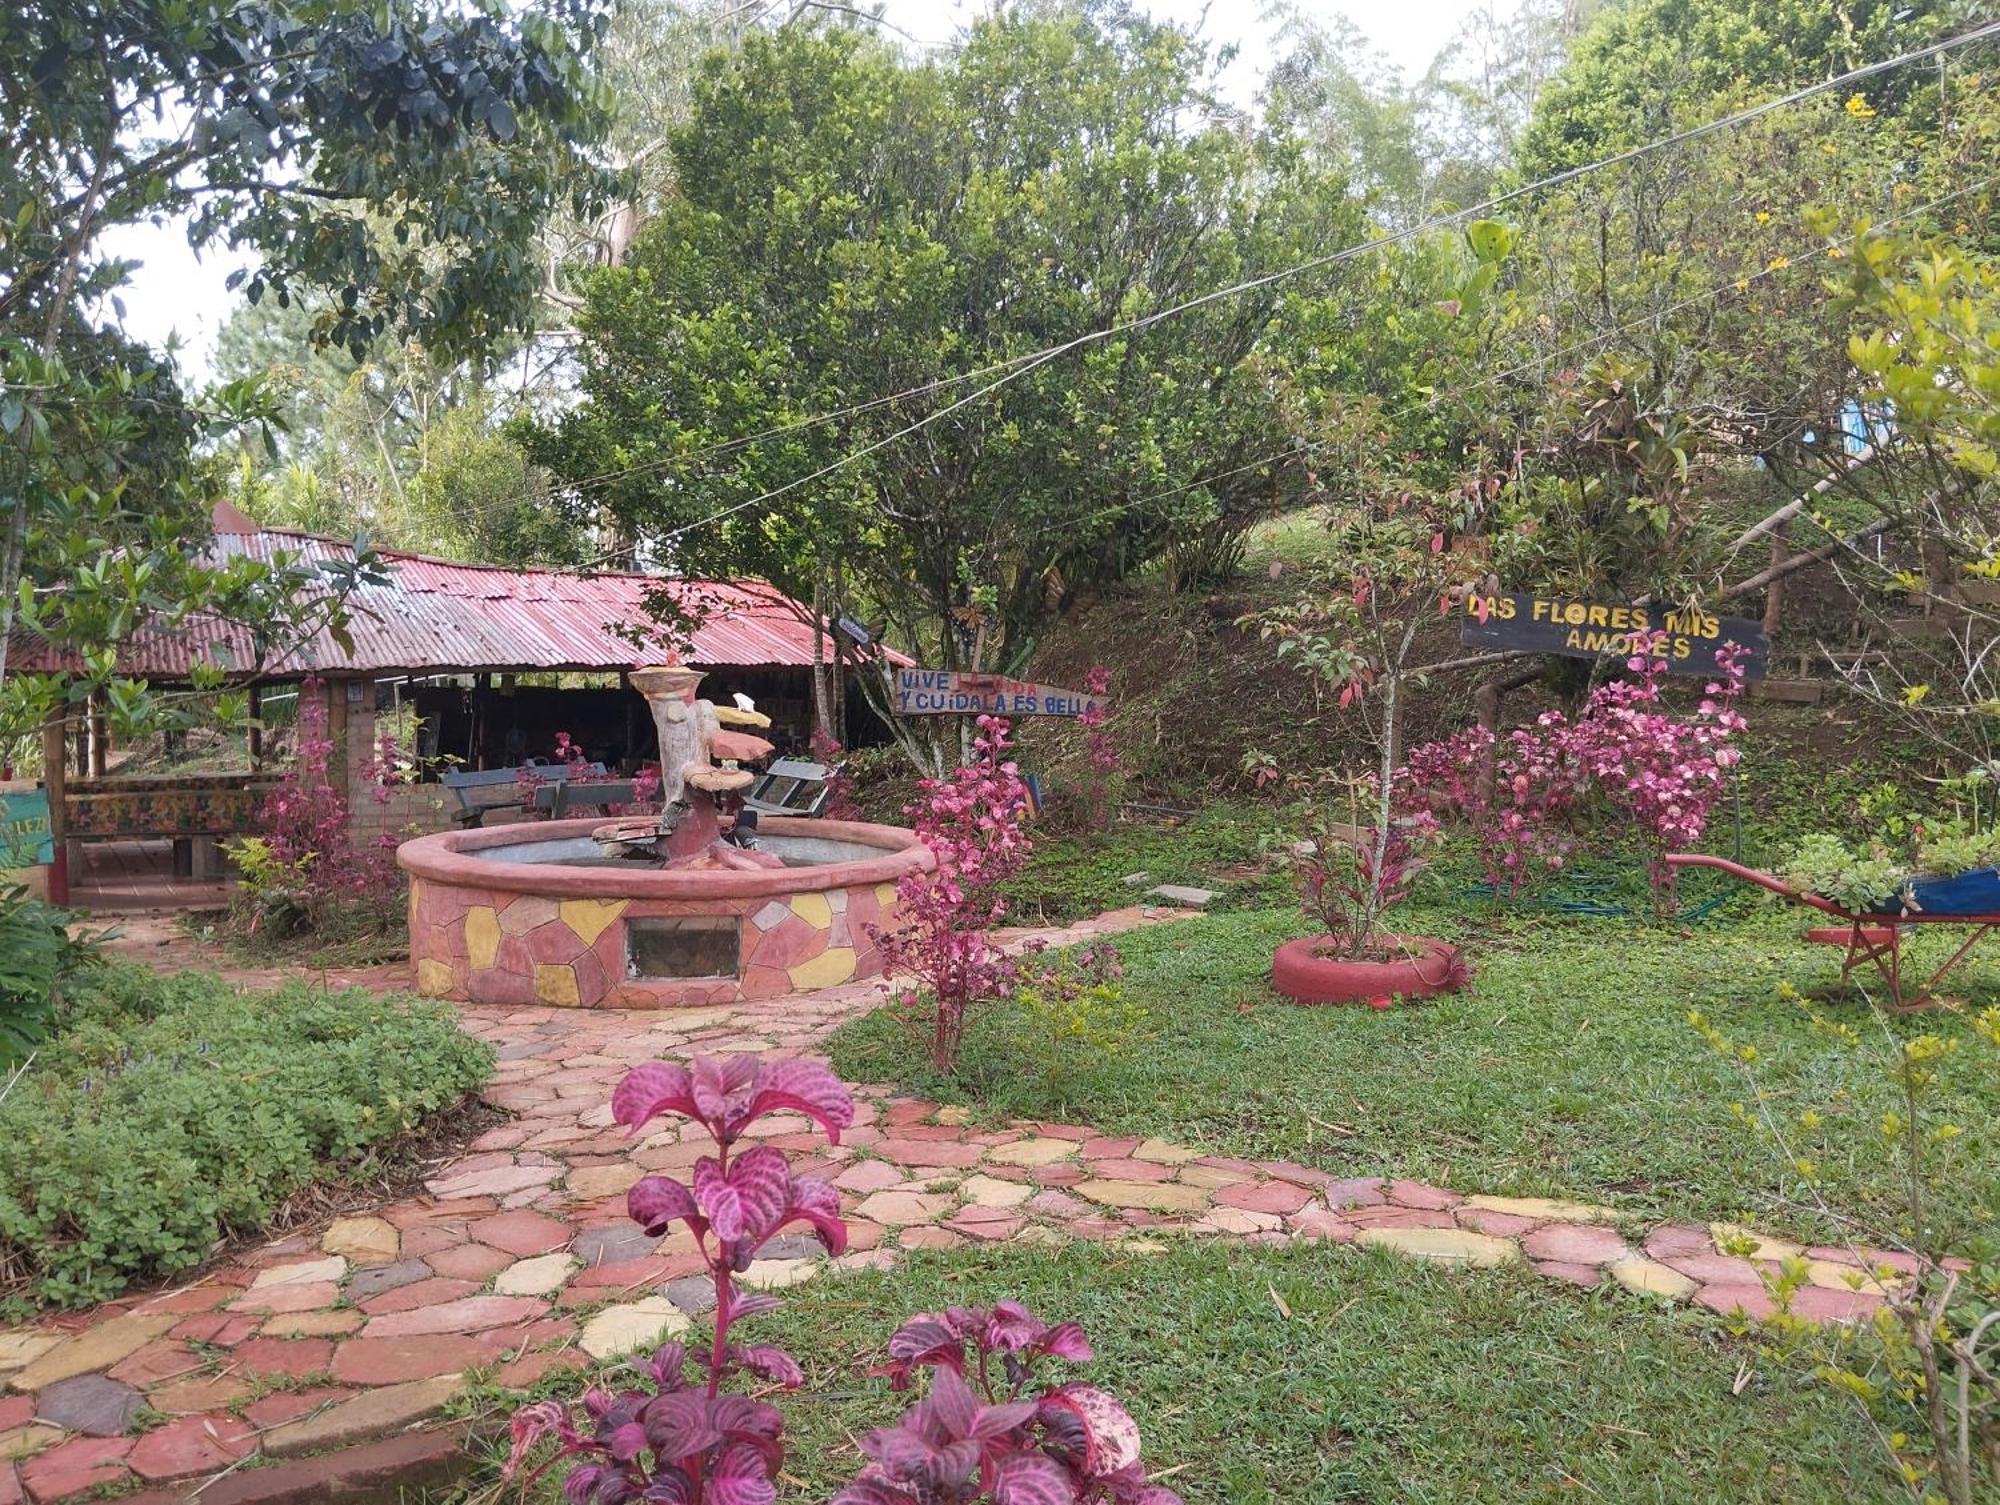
point(470, 666)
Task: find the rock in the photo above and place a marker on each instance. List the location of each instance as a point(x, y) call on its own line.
point(22, 1347)
point(1154, 1196)
point(1454, 1246)
point(693, 1294)
point(868, 1175)
point(1576, 1244)
point(541, 1276)
point(378, 1279)
point(1729, 1239)
point(94, 1348)
point(1133, 880)
point(613, 1244)
point(778, 1274)
point(592, 1182)
point(1032, 1152)
point(637, 1324)
point(367, 1415)
point(89, 1403)
point(363, 1241)
point(897, 1208)
point(1159, 1152)
point(1650, 1278)
point(192, 1445)
point(984, 1191)
point(1545, 1209)
point(522, 1233)
point(25, 1442)
point(468, 1314)
point(1183, 895)
point(303, 1273)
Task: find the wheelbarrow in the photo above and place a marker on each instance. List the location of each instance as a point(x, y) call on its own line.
point(1874, 936)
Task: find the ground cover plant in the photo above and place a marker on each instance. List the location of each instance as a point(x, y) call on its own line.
point(1310, 1376)
point(171, 1112)
point(1560, 1072)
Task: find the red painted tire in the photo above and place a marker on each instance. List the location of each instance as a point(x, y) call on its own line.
point(1305, 978)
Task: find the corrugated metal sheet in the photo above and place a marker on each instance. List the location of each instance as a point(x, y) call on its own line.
point(434, 616)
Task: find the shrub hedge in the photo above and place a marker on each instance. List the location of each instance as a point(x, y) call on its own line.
point(170, 1112)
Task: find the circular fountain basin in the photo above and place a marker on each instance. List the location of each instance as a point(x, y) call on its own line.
point(536, 914)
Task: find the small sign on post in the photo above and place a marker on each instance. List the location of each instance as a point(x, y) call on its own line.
point(1595, 629)
point(27, 839)
point(948, 692)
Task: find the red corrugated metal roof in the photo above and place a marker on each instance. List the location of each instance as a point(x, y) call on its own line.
point(436, 616)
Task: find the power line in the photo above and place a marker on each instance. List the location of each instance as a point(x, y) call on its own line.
point(1040, 357)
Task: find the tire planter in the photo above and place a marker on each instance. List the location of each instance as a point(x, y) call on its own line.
point(1305, 978)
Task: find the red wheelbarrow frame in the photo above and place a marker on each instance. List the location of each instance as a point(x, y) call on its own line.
point(1871, 938)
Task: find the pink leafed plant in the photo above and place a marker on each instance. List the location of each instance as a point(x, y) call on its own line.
point(840, 802)
point(1516, 795)
point(973, 823)
point(1100, 751)
point(685, 1438)
point(1662, 771)
point(985, 1433)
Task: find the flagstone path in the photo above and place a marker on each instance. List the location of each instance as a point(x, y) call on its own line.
point(518, 1258)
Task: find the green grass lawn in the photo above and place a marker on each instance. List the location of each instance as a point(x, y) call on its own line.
point(1566, 1069)
point(1388, 1381)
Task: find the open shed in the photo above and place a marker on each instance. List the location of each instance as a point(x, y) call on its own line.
point(478, 666)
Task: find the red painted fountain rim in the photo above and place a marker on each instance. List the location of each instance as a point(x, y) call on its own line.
point(451, 857)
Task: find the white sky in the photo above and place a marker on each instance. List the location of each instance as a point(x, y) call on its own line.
point(175, 294)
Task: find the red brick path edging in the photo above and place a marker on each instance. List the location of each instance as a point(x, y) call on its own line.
point(519, 1259)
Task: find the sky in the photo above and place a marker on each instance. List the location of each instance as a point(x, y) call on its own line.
point(175, 293)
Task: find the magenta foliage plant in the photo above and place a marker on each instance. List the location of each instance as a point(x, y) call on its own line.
point(840, 802)
point(683, 1439)
point(1100, 752)
point(1516, 796)
point(577, 770)
point(1662, 771)
point(312, 867)
point(1348, 876)
point(973, 823)
point(988, 1432)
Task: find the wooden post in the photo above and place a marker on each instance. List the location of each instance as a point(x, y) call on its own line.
point(256, 733)
point(1774, 597)
point(99, 725)
point(54, 745)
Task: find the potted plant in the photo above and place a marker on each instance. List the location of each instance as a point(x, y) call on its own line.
point(1349, 875)
point(1362, 638)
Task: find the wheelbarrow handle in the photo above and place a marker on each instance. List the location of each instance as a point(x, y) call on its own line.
point(1762, 879)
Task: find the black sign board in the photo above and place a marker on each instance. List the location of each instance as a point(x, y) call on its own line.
point(1594, 629)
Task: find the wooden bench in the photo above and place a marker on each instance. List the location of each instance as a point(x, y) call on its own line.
point(469, 785)
point(569, 796)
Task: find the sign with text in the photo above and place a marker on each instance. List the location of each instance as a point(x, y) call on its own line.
point(947, 692)
point(1595, 629)
point(26, 839)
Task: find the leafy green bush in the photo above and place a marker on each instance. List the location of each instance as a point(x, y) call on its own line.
point(1827, 866)
point(38, 958)
point(171, 1112)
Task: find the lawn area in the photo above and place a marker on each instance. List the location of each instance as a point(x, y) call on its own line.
point(1388, 1381)
point(169, 1112)
point(1567, 1069)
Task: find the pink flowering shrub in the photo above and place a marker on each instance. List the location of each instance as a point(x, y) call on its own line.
point(303, 871)
point(972, 822)
point(1661, 771)
point(577, 770)
point(984, 1433)
point(688, 1435)
point(1516, 797)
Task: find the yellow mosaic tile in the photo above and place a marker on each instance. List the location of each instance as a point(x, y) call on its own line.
point(813, 909)
point(482, 935)
point(556, 983)
point(833, 965)
point(590, 918)
point(433, 977)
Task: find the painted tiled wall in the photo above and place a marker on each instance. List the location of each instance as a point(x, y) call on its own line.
point(497, 947)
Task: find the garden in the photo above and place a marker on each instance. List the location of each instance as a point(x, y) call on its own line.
point(1372, 876)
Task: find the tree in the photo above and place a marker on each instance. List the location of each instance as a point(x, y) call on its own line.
point(396, 160)
point(849, 225)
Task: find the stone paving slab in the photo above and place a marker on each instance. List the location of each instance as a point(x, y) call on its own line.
point(517, 1258)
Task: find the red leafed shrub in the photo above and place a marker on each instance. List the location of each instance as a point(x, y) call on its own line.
point(840, 801)
point(684, 1437)
point(1516, 796)
point(972, 822)
point(303, 870)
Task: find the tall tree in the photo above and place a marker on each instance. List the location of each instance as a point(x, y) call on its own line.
point(396, 159)
point(850, 225)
